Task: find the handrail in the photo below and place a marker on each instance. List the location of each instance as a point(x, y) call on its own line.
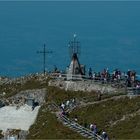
point(78, 126)
point(80, 77)
point(87, 131)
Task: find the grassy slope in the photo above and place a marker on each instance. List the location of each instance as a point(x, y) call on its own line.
point(59, 95)
point(54, 129)
point(128, 129)
point(12, 89)
point(41, 129)
point(105, 113)
point(47, 127)
point(102, 114)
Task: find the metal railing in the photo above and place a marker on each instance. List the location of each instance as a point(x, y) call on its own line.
point(80, 129)
point(133, 90)
point(77, 127)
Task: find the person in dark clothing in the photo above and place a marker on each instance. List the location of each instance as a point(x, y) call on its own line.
point(90, 73)
point(85, 125)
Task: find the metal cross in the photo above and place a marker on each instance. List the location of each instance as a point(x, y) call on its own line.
point(44, 52)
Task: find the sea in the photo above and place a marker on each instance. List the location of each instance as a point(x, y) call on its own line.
point(108, 31)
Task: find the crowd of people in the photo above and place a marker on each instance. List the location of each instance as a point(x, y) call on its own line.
point(105, 76)
point(68, 104)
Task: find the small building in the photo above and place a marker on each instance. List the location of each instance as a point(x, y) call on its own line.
point(30, 101)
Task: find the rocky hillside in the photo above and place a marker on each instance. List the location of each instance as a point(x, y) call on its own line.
point(112, 111)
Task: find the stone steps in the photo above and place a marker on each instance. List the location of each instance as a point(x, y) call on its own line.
point(79, 129)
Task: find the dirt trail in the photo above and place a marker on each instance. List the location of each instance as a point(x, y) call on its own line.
point(127, 116)
point(83, 104)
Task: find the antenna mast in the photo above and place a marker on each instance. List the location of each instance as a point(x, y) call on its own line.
point(74, 46)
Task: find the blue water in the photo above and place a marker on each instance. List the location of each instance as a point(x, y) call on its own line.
point(109, 33)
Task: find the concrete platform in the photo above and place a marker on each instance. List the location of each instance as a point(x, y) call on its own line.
point(21, 118)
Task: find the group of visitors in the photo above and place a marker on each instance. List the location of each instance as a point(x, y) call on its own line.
point(65, 106)
point(103, 134)
point(68, 104)
point(116, 76)
point(105, 75)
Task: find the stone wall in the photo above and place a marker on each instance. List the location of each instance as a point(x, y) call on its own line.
point(83, 86)
point(19, 99)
